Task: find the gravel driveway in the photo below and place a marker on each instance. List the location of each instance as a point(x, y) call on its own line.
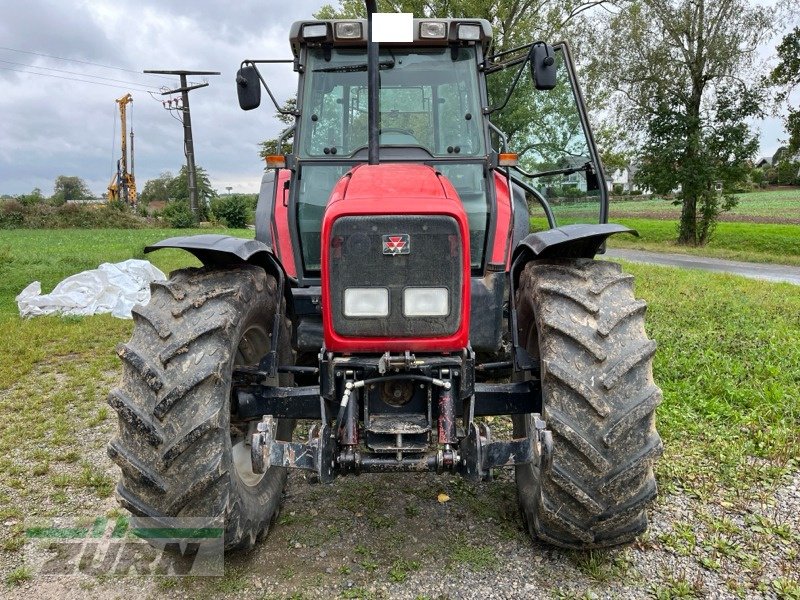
point(391, 536)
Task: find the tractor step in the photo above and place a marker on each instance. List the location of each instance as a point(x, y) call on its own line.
point(404, 424)
point(390, 445)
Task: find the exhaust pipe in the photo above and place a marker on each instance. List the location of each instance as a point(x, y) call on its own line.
point(373, 88)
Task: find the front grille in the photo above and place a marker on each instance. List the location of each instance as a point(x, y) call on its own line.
point(357, 260)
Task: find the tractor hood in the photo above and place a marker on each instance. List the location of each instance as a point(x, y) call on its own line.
point(395, 262)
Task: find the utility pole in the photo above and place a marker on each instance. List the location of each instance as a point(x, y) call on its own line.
point(188, 143)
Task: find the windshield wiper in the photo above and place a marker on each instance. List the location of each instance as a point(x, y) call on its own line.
point(354, 68)
point(587, 166)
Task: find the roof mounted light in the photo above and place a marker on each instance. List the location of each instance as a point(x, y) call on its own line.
point(433, 30)
point(348, 30)
point(469, 32)
point(315, 31)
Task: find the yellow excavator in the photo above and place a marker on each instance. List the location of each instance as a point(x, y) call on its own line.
point(123, 184)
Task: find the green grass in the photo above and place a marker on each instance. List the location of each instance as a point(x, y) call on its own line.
point(749, 242)
point(753, 242)
point(728, 362)
point(51, 255)
point(774, 204)
point(55, 372)
point(770, 240)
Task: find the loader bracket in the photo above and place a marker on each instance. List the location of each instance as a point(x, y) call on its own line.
point(479, 454)
point(316, 455)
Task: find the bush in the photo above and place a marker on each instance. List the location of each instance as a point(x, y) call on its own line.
point(787, 173)
point(178, 214)
point(232, 211)
point(12, 215)
point(617, 189)
point(35, 197)
point(15, 215)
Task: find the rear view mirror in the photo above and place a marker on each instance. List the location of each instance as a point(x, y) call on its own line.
point(543, 66)
point(248, 87)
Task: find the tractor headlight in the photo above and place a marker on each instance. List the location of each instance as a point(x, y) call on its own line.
point(348, 30)
point(469, 33)
point(426, 302)
point(366, 302)
point(315, 31)
point(433, 30)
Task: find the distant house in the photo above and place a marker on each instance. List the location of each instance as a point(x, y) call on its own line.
point(765, 162)
point(781, 153)
point(626, 177)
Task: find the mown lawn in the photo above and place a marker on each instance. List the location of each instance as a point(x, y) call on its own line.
point(749, 242)
point(52, 255)
point(776, 204)
point(752, 242)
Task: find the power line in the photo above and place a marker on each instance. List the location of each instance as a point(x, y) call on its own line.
point(111, 85)
point(76, 73)
point(75, 60)
point(188, 143)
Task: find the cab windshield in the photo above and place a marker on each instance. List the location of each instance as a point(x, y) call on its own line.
point(429, 99)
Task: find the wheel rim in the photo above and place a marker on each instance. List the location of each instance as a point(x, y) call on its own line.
point(253, 344)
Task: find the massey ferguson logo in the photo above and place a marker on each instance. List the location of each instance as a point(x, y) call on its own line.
point(397, 244)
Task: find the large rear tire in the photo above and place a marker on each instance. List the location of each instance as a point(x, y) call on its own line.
point(580, 319)
point(180, 446)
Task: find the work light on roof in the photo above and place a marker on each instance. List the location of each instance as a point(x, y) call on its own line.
point(349, 30)
point(315, 31)
point(469, 33)
point(433, 30)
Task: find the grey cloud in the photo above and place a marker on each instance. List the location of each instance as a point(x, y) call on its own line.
point(54, 126)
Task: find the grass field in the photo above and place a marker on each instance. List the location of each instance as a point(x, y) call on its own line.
point(777, 205)
point(750, 242)
point(763, 227)
point(766, 227)
point(728, 363)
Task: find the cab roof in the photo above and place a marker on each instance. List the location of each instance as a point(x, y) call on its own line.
point(331, 38)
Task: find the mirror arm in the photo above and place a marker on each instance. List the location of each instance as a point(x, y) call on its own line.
point(511, 89)
point(587, 166)
point(248, 62)
point(527, 47)
point(520, 60)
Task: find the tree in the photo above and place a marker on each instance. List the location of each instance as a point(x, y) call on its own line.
point(178, 187)
point(681, 71)
point(156, 189)
point(787, 77)
point(34, 197)
point(70, 188)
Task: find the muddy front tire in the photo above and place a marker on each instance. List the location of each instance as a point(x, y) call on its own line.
point(579, 318)
point(180, 447)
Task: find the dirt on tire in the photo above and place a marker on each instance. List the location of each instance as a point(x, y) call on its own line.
point(580, 319)
point(175, 446)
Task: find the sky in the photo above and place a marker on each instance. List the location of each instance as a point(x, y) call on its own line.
point(51, 124)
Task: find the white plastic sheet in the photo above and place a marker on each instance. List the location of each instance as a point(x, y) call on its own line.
point(111, 288)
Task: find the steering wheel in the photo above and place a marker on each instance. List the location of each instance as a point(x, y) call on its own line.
point(397, 130)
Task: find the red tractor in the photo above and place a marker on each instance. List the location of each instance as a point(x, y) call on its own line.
point(397, 291)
